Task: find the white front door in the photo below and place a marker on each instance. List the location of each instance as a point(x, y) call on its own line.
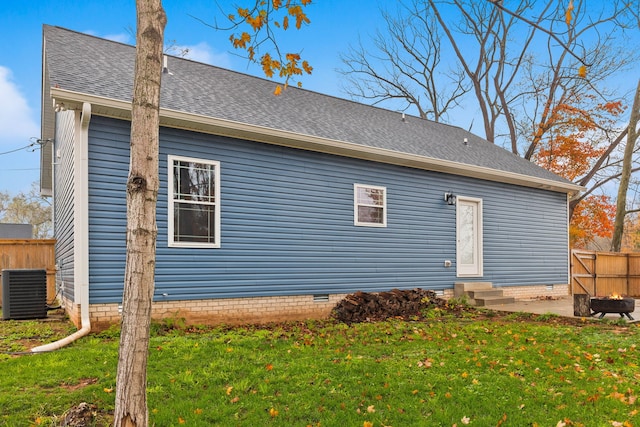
point(469, 236)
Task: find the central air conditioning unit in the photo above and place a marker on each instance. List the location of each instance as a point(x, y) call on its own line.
point(24, 294)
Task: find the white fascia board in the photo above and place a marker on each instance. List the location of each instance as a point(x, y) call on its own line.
point(196, 122)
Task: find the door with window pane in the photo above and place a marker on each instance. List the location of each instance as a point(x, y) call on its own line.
point(469, 236)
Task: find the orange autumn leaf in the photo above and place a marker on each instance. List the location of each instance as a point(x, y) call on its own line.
point(273, 412)
point(569, 13)
point(582, 71)
point(301, 17)
point(181, 420)
point(269, 367)
point(261, 22)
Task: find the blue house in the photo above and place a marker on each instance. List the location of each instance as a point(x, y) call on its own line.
point(274, 208)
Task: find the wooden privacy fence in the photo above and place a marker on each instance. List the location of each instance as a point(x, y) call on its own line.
point(30, 253)
point(604, 273)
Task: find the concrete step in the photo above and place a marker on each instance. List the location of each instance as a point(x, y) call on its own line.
point(461, 288)
point(499, 300)
point(485, 293)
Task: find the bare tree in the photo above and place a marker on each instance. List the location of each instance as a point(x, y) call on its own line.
point(621, 203)
point(28, 208)
point(407, 67)
point(520, 64)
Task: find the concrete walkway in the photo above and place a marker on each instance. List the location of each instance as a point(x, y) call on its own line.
point(561, 306)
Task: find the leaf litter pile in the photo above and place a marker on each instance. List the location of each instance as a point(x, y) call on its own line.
point(403, 304)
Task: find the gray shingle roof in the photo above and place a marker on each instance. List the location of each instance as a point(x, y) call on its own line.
point(89, 65)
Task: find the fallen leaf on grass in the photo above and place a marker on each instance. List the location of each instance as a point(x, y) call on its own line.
point(426, 363)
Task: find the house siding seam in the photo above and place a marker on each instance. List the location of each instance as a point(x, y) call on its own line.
point(287, 224)
point(64, 201)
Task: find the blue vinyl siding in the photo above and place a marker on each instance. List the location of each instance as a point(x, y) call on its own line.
point(287, 224)
point(64, 201)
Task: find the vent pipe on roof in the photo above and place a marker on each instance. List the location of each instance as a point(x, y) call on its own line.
point(165, 61)
point(403, 118)
point(466, 141)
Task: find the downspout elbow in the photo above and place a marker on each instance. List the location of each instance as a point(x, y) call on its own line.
point(84, 331)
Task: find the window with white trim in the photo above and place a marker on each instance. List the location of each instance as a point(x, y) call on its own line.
point(369, 205)
point(193, 202)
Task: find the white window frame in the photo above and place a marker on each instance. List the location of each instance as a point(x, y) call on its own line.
point(171, 208)
point(359, 223)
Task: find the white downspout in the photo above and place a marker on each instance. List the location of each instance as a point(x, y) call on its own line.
point(81, 233)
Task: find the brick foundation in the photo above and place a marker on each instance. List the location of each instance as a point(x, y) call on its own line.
point(231, 311)
point(235, 311)
point(535, 291)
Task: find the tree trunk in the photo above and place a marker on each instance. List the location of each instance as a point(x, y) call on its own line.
point(582, 305)
point(621, 203)
point(142, 191)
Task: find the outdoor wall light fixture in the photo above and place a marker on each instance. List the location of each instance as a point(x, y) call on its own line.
point(450, 198)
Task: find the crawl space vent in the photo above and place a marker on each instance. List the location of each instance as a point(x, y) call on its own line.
point(24, 294)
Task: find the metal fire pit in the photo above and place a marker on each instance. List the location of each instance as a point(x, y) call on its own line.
point(622, 306)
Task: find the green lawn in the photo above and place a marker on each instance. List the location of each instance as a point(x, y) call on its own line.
point(486, 371)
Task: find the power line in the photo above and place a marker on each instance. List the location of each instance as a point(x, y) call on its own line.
point(34, 141)
point(18, 149)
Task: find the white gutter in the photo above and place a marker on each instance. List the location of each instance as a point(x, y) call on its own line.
point(81, 232)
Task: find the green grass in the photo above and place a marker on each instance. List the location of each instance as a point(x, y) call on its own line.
point(440, 372)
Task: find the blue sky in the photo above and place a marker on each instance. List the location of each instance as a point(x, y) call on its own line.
point(334, 24)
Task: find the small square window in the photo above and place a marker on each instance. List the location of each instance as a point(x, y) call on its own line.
point(369, 205)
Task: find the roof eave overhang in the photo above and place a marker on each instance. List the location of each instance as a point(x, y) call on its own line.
point(178, 119)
